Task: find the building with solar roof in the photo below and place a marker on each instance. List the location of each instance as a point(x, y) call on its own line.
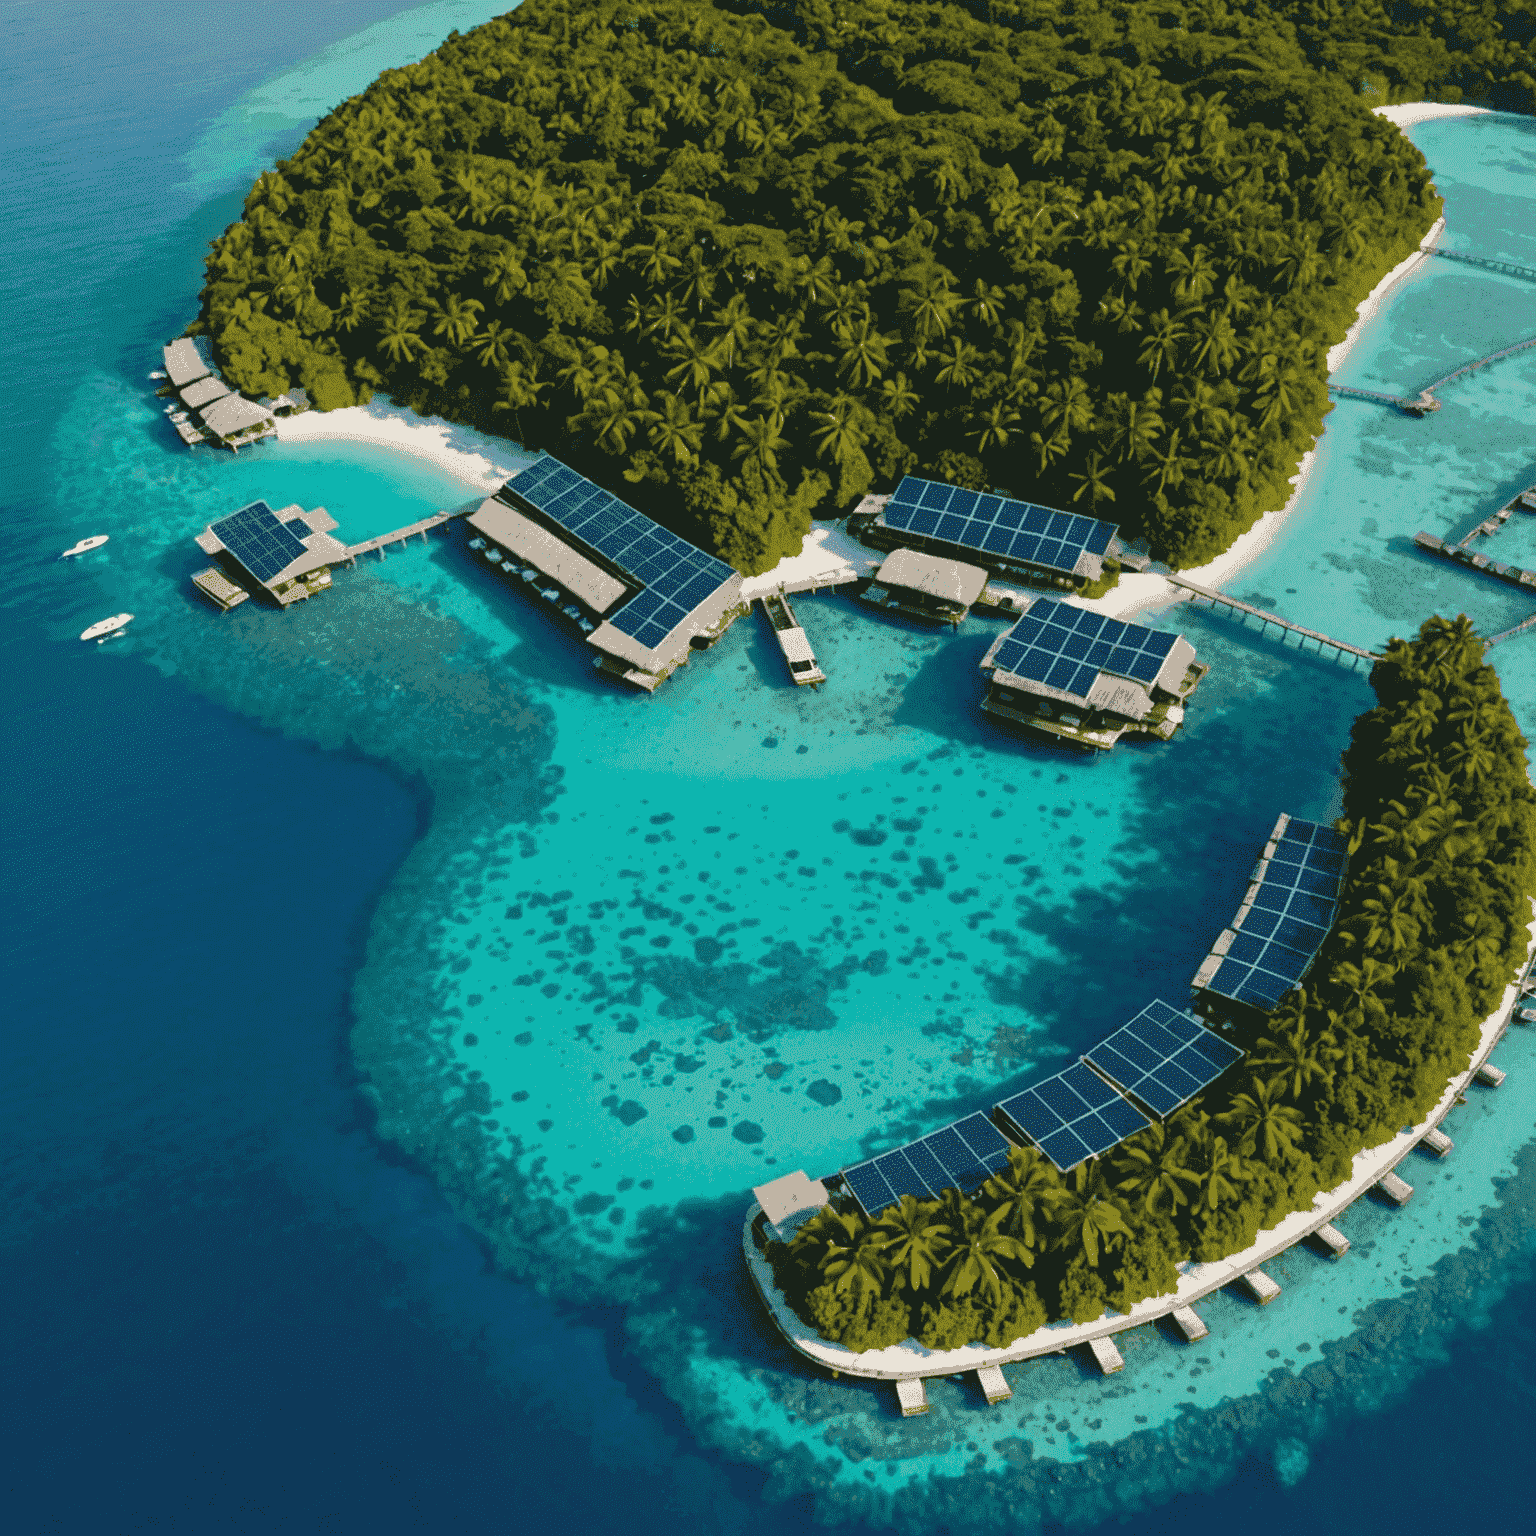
point(925, 586)
point(642, 596)
point(1086, 680)
point(961, 1156)
point(1003, 535)
point(285, 556)
point(1286, 913)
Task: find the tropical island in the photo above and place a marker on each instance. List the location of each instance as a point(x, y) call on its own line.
point(743, 260)
point(1440, 818)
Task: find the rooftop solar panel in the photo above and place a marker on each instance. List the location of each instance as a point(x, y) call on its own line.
point(1045, 643)
point(1073, 1115)
point(262, 544)
point(995, 525)
point(1163, 1057)
point(1277, 934)
point(960, 1156)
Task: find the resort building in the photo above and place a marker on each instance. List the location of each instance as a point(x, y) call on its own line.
point(1286, 912)
point(1087, 680)
point(926, 586)
point(1010, 538)
point(641, 596)
point(284, 555)
point(206, 408)
point(789, 1202)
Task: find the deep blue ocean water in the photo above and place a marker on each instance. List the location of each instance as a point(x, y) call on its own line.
point(263, 872)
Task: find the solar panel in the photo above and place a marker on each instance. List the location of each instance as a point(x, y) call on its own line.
point(262, 544)
point(960, 1156)
point(1073, 1115)
point(1067, 648)
point(996, 525)
point(676, 576)
point(1164, 1057)
point(1276, 936)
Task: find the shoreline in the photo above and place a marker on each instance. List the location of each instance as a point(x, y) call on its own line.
point(910, 1360)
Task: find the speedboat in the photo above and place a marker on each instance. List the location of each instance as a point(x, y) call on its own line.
point(105, 629)
point(95, 541)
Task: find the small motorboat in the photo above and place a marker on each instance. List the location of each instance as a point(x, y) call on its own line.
point(95, 541)
point(1526, 1015)
point(105, 629)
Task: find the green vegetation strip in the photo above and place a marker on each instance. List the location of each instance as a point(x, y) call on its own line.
point(1441, 818)
point(742, 260)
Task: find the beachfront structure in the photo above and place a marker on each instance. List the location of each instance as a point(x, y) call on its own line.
point(642, 596)
point(926, 586)
point(790, 1201)
point(1286, 912)
point(1086, 680)
point(284, 555)
point(184, 363)
point(1008, 537)
point(961, 1156)
point(206, 407)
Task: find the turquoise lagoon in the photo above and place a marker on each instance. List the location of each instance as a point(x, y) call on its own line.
point(649, 952)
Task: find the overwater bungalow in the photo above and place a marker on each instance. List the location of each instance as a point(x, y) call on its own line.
point(283, 556)
point(1037, 545)
point(926, 586)
point(642, 597)
point(217, 413)
point(1088, 681)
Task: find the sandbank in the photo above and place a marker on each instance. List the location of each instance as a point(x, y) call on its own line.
point(1407, 113)
point(479, 461)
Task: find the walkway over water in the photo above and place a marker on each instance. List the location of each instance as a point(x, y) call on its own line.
point(1425, 402)
point(1303, 634)
point(400, 535)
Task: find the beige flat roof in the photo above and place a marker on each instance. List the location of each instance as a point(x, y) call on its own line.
point(953, 581)
point(541, 549)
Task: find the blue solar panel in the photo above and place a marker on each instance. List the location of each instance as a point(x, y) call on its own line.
point(676, 576)
point(262, 544)
point(1163, 1056)
point(960, 1156)
point(1276, 939)
point(996, 525)
point(1066, 648)
point(1073, 1115)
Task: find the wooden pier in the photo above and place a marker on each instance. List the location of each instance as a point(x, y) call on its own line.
point(1260, 1287)
point(1493, 264)
point(1332, 1239)
point(798, 655)
point(400, 535)
point(1303, 634)
point(1108, 1356)
point(912, 1395)
point(1190, 1324)
point(1437, 1141)
point(1390, 1187)
point(994, 1385)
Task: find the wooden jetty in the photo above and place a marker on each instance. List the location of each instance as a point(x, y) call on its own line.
point(1437, 1141)
point(1260, 1287)
point(1420, 404)
point(1390, 1187)
point(1492, 263)
point(912, 1395)
point(1303, 634)
point(798, 655)
point(1464, 554)
point(1108, 1356)
point(994, 1385)
point(399, 536)
point(1334, 1240)
point(1190, 1324)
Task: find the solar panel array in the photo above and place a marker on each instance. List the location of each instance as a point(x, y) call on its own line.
point(1292, 911)
point(961, 1156)
point(1067, 648)
point(262, 544)
point(676, 576)
point(1164, 1057)
point(996, 525)
point(1073, 1115)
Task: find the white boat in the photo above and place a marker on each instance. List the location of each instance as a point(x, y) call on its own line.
point(104, 629)
point(95, 541)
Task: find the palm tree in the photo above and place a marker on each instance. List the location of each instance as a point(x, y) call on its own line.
point(1223, 1168)
point(1087, 1218)
point(697, 363)
point(673, 429)
point(1301, 1059)
point(987, 303)
point(492, 352)
point(734, 326)
point(978, 1246)
point(1028, 1187)
point(864, 352)
point(1067, 406)
point(398, 334)
point(961, 364)
point(915, 1240)
point(839, 433)
point(1263, 1120)
point(760, 443)
point(1153, 1166)
point(1094, 480)
point(931, 310)
point(993, 427)
point(897, 397)
point(456, 318)
point(351, 310)
point(1134, 425)
point(1161, 348)
point(1169, 464)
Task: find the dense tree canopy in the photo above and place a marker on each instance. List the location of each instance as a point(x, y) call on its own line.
point(755, 258)
point(1432, 925)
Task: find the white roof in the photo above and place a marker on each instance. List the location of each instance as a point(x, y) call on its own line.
point(953, 581)
point(790, 1195)
point(233, 414)
point(795, 646)
point(580, 576)
point(202, 392)
point(182, 364)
